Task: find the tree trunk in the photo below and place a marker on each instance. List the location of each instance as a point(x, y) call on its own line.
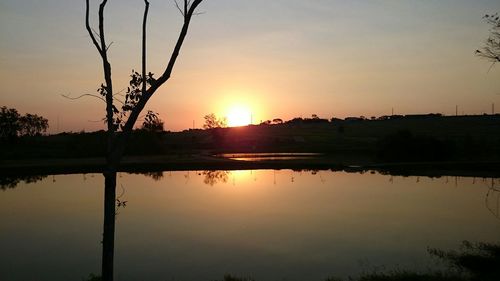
point(108, 241)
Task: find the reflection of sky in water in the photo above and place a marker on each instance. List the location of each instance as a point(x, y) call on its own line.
point(267, 224)
point(269, 156)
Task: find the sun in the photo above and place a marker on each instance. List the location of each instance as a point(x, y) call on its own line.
point(239, 116)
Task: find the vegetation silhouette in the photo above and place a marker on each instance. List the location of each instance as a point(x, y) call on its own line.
point(152, 123)
point(214, 122)
point(120, 122)
point(156, 175)
point(480, 261)
point(359, 141)
point(214, 177)
point(491, 48)
point(404, 146)
point(472, 262)
point(215, 125)
point(13, 125)
point(12, 181)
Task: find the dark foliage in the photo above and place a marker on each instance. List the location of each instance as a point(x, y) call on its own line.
point(491, 48)
point(156, 176)
point(214, 177)
point(472, 262)
point(404, 146)
point(152, 123)
point(11, 181)
point(313, 120)
point(412, 276)
point(213, 122)
point(13, 125)
point(229, 277)
point(32, 125)
point(480, 260)
point(9, 123)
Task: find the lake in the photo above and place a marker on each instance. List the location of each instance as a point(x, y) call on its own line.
point(268, 156)
point(265, 224)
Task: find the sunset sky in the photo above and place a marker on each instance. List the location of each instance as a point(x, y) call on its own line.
point(276, 59)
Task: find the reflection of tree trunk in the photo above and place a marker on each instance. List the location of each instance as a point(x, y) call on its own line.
point(108, 241)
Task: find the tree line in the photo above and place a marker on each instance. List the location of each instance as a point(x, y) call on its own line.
point(213, 122)
point(14, 125)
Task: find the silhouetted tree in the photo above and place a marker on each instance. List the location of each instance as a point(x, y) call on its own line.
point(296, 120)
point(277, 121)
point(491, 48)
point(9, 123)
point(142, 88)
point(212, 122)
point(32, 125)
point(152, 123)
point(13, 125)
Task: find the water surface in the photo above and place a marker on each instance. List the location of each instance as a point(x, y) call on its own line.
point(269, 225)
point(269, 156)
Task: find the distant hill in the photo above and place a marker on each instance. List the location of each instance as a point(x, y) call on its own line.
point(391, 138)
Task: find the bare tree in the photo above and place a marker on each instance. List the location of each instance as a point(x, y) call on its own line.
point(120, 123)
point(491, 48)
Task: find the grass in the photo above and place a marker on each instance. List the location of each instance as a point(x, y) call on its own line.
point(472, 262)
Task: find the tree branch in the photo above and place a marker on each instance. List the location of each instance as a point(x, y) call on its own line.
point(89, 29)
point(109, 46)
point(144, 21)
point(107, 74)
point(91, 95)
point(83, 95)
point(134, 114)
point(173, 58)
point(101, 23)
point(178, 7)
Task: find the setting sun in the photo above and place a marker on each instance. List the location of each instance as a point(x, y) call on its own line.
point(239, 116)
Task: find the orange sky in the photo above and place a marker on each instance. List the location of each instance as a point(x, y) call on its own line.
point(280, 59)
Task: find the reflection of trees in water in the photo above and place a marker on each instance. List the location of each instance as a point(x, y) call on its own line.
point(7, 182)
point(313, 172)
point(214, 177)
point(492, 198)
point(156, 176)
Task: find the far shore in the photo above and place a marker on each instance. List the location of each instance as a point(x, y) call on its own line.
point(184, 162)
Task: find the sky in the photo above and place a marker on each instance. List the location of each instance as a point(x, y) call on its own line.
point(278, 59)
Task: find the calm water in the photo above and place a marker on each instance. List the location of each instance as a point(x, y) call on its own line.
point(268, 156)
point(270, 225)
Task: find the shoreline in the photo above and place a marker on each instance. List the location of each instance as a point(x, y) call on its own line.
point(488, 169)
